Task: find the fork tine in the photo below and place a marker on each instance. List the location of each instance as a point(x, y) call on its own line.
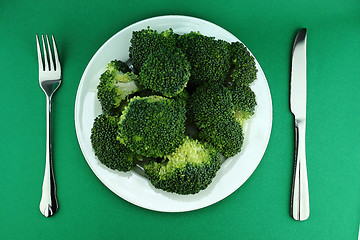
point(56, 56)
point(51, 62)
point(46, 59)
point(41, 66)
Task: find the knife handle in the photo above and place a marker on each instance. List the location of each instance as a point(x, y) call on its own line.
point(300, 207)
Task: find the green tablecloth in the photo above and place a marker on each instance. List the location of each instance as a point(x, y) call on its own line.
point(257, 210)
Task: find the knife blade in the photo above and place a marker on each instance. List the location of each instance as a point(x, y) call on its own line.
point(300, 207)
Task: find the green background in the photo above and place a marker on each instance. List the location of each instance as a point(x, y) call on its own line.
point(257, 210)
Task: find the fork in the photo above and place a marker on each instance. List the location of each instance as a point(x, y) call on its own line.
point(49, 80)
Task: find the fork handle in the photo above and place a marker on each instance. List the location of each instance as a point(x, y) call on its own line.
point(300, 207)
point(48, 204)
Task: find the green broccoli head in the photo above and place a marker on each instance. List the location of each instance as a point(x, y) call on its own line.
point(115, 85)
point(210, 103)
point(182, 98)
point(147, 41)
point(244, 100)
point(209, 58)
point(152, 126)
point(215, 110)
point(243, 67)
point(118, 66)
point(189, 169)
point(107, 148)
point(166, 71)
point(226, 136)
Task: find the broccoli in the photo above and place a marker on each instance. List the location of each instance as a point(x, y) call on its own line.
point(210, 103)
point(226, 136)
point(216, 117)
point(244, 101)
point(152, 126)
point(209, 58)
point(147, 41)
point(107, 148)
point(165, 71)
point(243, 67)
point(117, 65)
point(182, 98)
point(116, 83)
point(189, 169)
point(177, 110)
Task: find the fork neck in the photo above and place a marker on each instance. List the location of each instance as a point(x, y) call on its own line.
point(50, 86)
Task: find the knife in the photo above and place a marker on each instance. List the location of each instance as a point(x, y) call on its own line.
point(300, 207)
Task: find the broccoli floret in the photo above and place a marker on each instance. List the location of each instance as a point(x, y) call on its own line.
point(243, 67)
point(165, 71)
point(209, 58)
point(152, 126)
point(189, 169)
point(117, 65)
point(213, 111)
point(210, 103)
point(147, 41)
point(244, 100)
point(182, 97)
point(107, 148)
point(116, 83)
point(226, 136)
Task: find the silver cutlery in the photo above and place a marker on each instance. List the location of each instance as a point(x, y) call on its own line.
point(300, 207)
point(49, 80)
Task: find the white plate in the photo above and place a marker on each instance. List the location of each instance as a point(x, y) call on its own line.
point(136, 188)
